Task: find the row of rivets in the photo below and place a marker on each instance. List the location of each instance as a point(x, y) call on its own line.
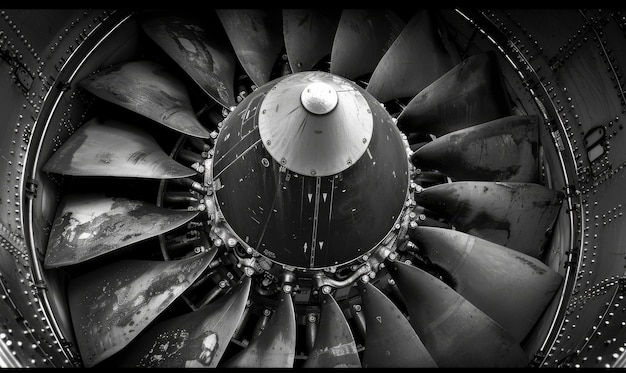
point(573, 315)
point(566, 110)
point(43, 338)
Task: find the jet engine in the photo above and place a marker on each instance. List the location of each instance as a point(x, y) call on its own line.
point(311, 188)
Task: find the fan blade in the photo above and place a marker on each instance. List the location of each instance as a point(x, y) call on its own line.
point(504, 149)
point(148, 89)
point(362, 38)
point(390, 341)
point(90, 225)
point(201, 52)
point(484, 273)
point(455, 332)
point(112, 148)
point(334, 346)
point(415, 59)
point(111, 305)
point(309, 35)
point(275, 346)
point(257, 37)
point(515, 215)
point(193, 340)
point(469, 94)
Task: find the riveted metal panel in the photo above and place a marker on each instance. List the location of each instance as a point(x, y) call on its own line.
point(26, 336)
point(580, 325)
point(35, 47)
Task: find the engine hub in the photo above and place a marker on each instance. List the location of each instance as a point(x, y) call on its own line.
point(315, 123)
point(310, 172)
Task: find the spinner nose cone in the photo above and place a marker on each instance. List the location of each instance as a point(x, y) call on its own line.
point(310, 171)
point(315, 123)
point(319, 98)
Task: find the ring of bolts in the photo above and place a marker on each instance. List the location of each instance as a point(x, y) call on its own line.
point(251, 262)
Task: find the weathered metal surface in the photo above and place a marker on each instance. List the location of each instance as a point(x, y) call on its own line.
point(510, 287)
point(573, 62)
point(202, 51)
point(416, 58)
point(504, 149)
point(516, 215)
point(90, 225)
point(470, 93)
point(149, 89)
point(362, 37)
point(308, 221)
point(111, 305)
point(113, 148)
point(193, 340)
point(256, 36)
point(455, 332)
point(309, 35)
point(334, 345)
point(275, 347)
point(390, 341)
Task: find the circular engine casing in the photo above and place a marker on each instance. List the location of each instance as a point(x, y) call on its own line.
point(561, 64)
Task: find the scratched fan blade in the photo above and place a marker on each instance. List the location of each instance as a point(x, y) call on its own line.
point(334, 345)
point(362, 37)
point(113, 148)
point(193, 340)
point(90, 225)
point(148, 89)
point(309, 35)
point(275, 347)
point(203, 53)
point(390, 340)
point(455, 332)
point(415, 59)
point(515, 215)
point(505, 149)
point(484, 273)
point(111, 305)
point(470, 93)
point(256, 36)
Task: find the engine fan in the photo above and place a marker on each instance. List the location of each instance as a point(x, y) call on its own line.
point(302, 188)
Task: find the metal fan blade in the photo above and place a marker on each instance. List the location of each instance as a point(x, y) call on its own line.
point(469, 94)
point(194, 340)
point(484, 273)
point(90, 225)
point(362, 38)
point(148, 89)
point(257, 37)
point(505, 149)
point(201, 52)
point(334, 346)
point(415, 59)
point(390, 341)
point(455, 332)
point(113, 148)
point(309, 35)
point(111, 305)
point(275, 346)
point(515, 215)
